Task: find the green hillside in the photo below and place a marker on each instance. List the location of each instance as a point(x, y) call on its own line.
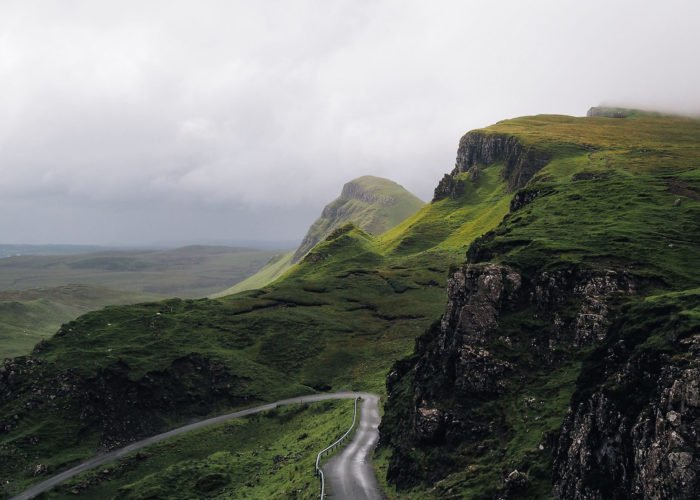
point(566, 326)
point(40, 291)
point(274, 268)
point(262, 456)
point(28, 316)
point(373, 204)
point(543, 194)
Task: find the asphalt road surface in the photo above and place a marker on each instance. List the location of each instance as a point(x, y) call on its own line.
point(114, 454)
point(349, 475)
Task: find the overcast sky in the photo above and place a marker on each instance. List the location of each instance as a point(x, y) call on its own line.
point(134, 122)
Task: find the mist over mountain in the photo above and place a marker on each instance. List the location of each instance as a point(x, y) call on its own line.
point(133, 123)
point(210, 288)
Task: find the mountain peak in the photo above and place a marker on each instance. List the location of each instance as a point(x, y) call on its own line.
point(373, 204)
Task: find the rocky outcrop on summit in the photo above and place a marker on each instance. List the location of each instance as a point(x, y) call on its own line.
point(478, 149)
point(373, 204)
point(354, 191)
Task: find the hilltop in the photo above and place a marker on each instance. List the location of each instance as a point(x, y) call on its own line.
point(570, 251)
point(373, 204)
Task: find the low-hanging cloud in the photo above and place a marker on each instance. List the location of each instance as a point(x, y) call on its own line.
point(251, 109)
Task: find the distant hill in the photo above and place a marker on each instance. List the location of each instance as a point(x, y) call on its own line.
point(186, 272)
point(46, 285)
point(373, 204)
point(9, 250)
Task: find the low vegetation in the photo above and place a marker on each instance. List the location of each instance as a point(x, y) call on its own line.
point(619, 193)
point(39, 292)
point(268, 455)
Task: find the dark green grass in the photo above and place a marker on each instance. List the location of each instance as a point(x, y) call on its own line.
point(39, 292)
point(342, 316)
point(269, 455)
point(637, 224)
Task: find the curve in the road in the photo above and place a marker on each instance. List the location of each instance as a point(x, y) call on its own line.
point(114, 454)
point(349, 475)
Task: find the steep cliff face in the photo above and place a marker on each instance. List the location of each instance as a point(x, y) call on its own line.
point(633, 429)
point(371, 203)
point(500, 330)
point(477, 150)
point(566, 360)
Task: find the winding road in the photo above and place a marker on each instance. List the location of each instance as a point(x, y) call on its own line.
point(354, 468)
point(349, 474)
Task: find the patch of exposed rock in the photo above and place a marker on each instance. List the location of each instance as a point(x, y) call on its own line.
point(479, 149)
point(637, 433)
point(459, 366)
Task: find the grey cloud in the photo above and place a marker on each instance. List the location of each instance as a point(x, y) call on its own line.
point(247, 117)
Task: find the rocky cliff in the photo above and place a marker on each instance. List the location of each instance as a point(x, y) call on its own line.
point(633, 427)
point(565, 364)
point(478, 149)
point(500, 328)
point(118, 408)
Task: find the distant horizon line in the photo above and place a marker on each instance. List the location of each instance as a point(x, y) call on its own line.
point(255, 244)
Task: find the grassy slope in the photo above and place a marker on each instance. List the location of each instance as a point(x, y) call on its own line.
point(613, 197)
point(337, 320)
point(404, 205)
point(28, 316)
point(39, 292)
point(374, 214)
point(270, 455)
point(621, 194)
point(274, 268)
point(344, 314)
point(373, 217)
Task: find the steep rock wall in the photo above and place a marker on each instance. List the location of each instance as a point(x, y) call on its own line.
point(478, 149)
point(448, 394)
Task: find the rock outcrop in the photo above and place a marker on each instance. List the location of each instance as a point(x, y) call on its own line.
point(632, 426)
point(636, 432)
point(479, 149)
point(469, 361)
point(112, 404)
